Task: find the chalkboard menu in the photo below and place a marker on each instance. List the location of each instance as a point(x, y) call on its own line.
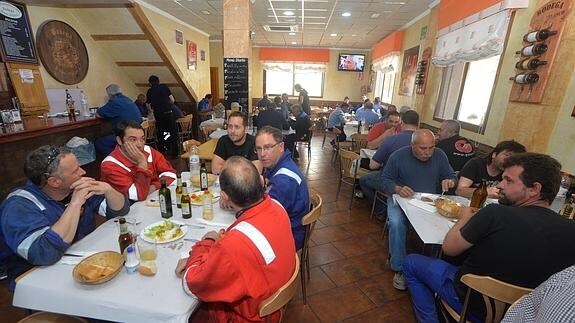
point(236, 82)
point(16, 34)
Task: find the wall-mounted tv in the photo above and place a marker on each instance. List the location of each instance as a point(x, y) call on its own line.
point(351, 62)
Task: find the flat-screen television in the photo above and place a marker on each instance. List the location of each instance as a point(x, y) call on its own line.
point(351, 62)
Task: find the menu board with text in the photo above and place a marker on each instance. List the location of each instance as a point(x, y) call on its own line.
point(15, 33)
point(236, 81)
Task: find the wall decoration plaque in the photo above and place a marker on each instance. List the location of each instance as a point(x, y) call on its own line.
point(15, 33)
point(62, 52)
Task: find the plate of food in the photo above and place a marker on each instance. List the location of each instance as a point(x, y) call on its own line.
point(197, 198)
point(164, 231)
point(98, 268)
point(446, 207)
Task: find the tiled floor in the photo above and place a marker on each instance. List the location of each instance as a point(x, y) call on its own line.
point(349, 280)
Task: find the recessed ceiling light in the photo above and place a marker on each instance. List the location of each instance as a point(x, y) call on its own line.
point(346, 14)
point(294, 43)
point(374, 15)
point(353, 35)
point(394, 2)
point(333, 35)
point(291, 34)
point(288, 13)
point(205, 12)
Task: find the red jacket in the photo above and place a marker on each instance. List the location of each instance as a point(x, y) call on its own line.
point(252, 261)
point(129, 179)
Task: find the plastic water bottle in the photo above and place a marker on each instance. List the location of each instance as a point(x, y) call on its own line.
point(194, 162)
point(84, 104)
point(131, 260)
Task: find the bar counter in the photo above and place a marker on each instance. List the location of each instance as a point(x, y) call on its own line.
point(17, 140)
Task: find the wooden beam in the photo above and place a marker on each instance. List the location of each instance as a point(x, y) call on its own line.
point(156, 41)
point(101, 37)
point(140, 64)
point(167, 84)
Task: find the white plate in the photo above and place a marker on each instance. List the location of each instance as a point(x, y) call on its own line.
point(215, 199)
point(182, 226)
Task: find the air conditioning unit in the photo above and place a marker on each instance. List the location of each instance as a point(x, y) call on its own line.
point(280, 29)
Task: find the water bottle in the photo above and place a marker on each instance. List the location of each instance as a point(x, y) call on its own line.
point(84, 104)
point(194, 162)
point(131, 260)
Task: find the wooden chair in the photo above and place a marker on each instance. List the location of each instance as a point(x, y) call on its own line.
point(305, 143)
point(45, 317)
point(280, 298)
point(150, 132)
point(497, 296)
point(329, 134)
point(359, 141)
point(184, 128)
point(308, 221)
point(207, 130)
point(349, 171)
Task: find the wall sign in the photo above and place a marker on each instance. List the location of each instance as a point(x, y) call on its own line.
point(62, 52)
point(15, 34)
point(236, 82)
point(192, 55)
point(408, 71)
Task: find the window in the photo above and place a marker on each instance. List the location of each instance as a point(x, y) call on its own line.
point(465, 92)
point(281, 78)
point(384, 83)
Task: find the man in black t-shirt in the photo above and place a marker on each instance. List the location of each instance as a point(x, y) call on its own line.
point(486, 169)
point(521, 241)
point(458, 149)
point(236, 143)
point(303, 99)
point(160, 98)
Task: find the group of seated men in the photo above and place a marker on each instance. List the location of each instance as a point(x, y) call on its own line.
point(58, 206)
point(519, 240)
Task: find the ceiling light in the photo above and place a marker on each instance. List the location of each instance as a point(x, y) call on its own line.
point(394, 2)
point(291, 34)
point(333, 35)
point(353, 35)
point(374, 15)
point(294, 43)
point(288, 13)
point(346, 14)
point(205, 12)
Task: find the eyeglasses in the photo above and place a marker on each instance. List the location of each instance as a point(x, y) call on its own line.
point(52, 156)
point(267, 148)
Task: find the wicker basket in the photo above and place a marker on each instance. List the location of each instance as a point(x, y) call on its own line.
point(195, 180)
point(98, 268)
point(447, 207)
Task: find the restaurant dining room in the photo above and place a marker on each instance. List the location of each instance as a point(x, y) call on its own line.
point(287, 160)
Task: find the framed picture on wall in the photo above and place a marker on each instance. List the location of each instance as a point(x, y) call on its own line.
point(202, 55)
point(179, 37)
point(408, 71)
point(192, 55)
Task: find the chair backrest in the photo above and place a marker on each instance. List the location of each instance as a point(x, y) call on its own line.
point(313, 215)
point(282, 296)
point(185, 124)
point(209, 129)
point(359, 141)
point(497, 295)
point(189, 143)
point(146, 126)
point(349, 163)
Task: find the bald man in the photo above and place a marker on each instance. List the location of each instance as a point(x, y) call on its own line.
point(417, 168)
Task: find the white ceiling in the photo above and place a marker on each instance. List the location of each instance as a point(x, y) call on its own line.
point(319, 20)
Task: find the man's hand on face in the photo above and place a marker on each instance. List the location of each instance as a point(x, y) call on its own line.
point(81, 191)
point(135, 154)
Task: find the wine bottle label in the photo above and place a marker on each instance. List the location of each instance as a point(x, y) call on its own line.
point(528, 51)
point(531, 37)
point(520, 78)
point(185, 208)
point(163, 208)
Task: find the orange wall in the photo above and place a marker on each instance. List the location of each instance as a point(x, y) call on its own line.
point(391, 43)
point(294, 54)
point(451, 11)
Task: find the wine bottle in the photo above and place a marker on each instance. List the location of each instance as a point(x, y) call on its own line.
point(178, 192)
point(538, 35)
point(165, 201)
point(479, 196)
point(525, 78)
point(529, 63)
point(533, 50)
point(203, 177)
point(186, 204)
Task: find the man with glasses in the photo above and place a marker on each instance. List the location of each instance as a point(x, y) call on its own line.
point(285, 181)
point(133, 168)
point(236, 143)
point(56, 207)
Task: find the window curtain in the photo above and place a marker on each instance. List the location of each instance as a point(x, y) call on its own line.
point(386, 64)
point(479, 40)
point(290, 67)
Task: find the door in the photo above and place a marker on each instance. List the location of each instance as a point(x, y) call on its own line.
point(215, 85)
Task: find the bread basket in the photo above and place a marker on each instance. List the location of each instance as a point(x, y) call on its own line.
point(195, 180)
point(98, 268)
point(447, 207)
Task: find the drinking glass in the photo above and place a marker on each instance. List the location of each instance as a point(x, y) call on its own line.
point(148, 252)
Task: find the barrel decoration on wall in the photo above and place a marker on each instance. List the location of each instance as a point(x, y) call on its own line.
point(62, 52)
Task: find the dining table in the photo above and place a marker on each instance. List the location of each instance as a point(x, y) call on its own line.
point(127, 297)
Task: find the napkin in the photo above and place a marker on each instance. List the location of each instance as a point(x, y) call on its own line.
point(213, 224)
point(422, 205)
point(74, 257)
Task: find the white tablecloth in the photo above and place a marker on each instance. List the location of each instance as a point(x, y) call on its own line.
point(219, 122)
point(431, 227)
point(126, 298)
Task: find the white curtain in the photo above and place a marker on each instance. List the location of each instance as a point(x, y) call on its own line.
point(481, 39)
point(386, 64)
point(277, 67)
point(289, 66)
